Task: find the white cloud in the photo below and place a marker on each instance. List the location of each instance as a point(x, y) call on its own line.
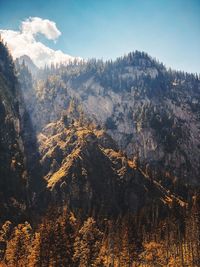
point(36, 25)
point(23, 42)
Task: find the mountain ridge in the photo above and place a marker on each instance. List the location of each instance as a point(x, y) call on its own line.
point(82, 163)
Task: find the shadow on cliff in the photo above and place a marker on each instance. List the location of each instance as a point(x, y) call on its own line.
point(35, 183)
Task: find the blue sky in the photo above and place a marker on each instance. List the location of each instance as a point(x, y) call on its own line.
point(166, 29)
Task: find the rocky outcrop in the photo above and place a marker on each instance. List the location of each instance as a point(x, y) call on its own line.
point(84, 169)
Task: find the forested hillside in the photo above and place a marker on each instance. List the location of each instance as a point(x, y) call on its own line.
point(99, 164)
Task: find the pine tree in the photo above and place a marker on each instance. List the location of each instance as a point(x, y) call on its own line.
point(34, 258)
point(87, 244)
point(18, 245)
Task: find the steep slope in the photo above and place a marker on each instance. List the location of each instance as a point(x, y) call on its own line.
point(19, 169)
point(149, 110)
point(13, 177)
point(84, 168)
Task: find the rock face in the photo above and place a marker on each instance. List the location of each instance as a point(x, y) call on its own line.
point(150, 111)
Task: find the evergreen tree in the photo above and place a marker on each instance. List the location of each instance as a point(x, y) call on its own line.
point(87, 244)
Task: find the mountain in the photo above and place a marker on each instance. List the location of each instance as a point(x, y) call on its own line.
point(71, 160)
point(26, 60)
point(84, 168)
point(150, 111)
point(93, 164)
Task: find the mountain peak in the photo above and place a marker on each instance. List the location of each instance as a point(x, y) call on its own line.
point(26, 60)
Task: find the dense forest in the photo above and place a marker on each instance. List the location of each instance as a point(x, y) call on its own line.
point(61, 239)
point(73, 190)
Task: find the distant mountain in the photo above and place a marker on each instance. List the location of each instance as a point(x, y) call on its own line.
point(26, 60)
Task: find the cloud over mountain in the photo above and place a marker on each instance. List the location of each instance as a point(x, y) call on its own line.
point(23, 41)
